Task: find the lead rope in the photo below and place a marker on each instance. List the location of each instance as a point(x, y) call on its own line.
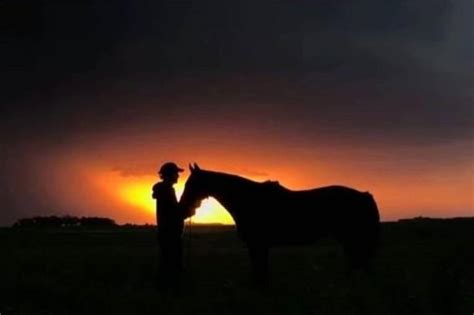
point(188, 242)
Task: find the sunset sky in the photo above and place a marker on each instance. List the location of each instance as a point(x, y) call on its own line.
point(376, 95)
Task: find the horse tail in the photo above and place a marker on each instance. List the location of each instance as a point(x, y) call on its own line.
point(373, 226)
point(361, 239)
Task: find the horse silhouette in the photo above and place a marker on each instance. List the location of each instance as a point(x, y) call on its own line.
point(269, 215)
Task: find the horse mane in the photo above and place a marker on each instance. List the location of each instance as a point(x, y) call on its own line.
point(239, 180)
point(233, 177)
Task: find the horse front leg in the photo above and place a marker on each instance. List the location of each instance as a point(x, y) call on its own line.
point(259, 260)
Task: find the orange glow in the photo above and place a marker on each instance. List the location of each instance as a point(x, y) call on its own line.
point(137, 193)
point(117, 183)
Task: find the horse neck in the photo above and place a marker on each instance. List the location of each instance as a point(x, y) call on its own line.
point(228, 190)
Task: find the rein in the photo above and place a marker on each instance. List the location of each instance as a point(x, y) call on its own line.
point(188, 241)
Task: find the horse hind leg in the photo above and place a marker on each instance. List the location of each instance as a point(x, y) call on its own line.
point(356, 260)
point(361, 244)
point(259, 260)
point(360, 255)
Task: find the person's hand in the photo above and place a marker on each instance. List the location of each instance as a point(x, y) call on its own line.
point(187, 213)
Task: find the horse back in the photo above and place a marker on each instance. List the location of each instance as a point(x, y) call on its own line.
point(302, 217)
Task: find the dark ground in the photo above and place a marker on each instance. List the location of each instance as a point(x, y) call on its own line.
point(423, 267)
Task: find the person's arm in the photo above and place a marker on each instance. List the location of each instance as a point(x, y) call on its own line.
point(185, 213)
point(155, 190)
point(177, 206)
point(165, 202)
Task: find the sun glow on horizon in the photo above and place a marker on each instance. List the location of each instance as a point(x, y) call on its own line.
point(127, 197)
point(138, 194)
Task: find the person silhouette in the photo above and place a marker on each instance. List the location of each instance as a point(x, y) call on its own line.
point(170, 222)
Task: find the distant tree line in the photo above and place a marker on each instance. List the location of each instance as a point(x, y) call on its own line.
point(65, 221)
point(421, 219)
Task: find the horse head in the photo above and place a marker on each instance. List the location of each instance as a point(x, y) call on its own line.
point(195, 190)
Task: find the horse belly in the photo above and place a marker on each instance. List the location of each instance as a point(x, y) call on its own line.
point(295, 228)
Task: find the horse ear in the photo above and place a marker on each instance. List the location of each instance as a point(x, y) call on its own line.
point(191, 168)
point(196, 167)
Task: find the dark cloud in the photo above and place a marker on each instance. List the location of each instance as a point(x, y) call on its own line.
point(394, 68)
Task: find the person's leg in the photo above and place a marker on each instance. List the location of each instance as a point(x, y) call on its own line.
point(179, 254)
point(165, 263)
point(174, 262)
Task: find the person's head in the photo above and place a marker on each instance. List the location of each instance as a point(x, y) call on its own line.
point(169, 172)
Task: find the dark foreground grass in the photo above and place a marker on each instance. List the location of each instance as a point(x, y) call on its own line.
point(424, 267)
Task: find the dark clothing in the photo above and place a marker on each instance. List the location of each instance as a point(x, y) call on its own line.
point(170, 228)
point(168, 215)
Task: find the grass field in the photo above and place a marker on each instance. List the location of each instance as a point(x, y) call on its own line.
point(423, 267)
